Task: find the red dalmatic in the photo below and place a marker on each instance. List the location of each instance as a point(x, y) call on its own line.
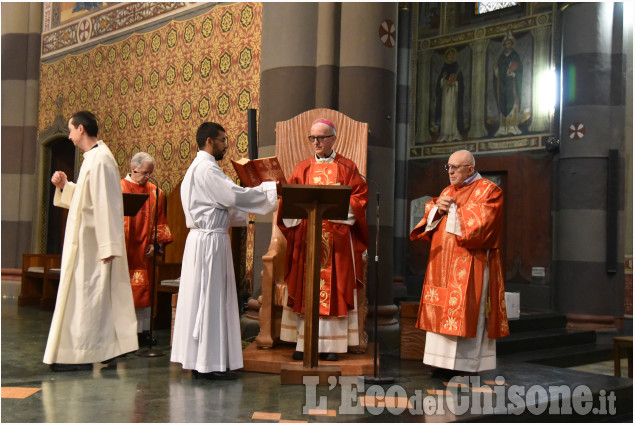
point(139, 235)
point(342, 245)
point(454, 278)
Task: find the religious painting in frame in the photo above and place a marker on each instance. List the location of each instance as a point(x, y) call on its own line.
point(483, 89)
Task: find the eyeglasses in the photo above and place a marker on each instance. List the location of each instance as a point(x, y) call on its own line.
point(221, 139)
point(449, 167)
point(320, 139)
point(143, 174)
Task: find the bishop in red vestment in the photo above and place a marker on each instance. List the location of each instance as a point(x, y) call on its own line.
point(463, 299)
point(343, 243)
point(140, 237)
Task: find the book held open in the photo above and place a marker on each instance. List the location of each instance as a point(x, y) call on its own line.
point(253, 172)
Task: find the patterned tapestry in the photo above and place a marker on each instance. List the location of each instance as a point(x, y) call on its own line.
point(151, 91)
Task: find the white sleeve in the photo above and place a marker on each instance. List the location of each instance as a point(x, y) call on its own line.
point(63, 197)
point(431, 223)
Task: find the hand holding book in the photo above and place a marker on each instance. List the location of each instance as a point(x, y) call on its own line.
point(253, 172)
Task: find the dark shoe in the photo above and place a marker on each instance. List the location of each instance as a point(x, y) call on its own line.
point(215, 375)
point(442, 373)
point(298, 355)
point(448, 374)
point(145, 338)
point(329, 357)
point(64, 367)
point(117, 357)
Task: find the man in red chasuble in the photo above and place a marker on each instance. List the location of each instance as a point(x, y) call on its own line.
point(140, 238)
point(343, 243)
point(462, 305)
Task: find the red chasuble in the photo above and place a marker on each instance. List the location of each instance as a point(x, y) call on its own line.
point(342, 245)
point(454, 278)
point(140, 234)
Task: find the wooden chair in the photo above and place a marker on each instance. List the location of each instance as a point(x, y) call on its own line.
point(170, 268)
point(292, 147)
point(40, 279)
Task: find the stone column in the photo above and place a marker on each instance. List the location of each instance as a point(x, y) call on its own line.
point(593, 94)
point(328, 55)
point(21, 35)
point(539, 113)
point(401, 147)
point(479, 73)
point(367, 93)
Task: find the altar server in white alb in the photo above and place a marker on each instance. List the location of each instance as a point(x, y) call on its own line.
point(207, 325)
point(94, 318)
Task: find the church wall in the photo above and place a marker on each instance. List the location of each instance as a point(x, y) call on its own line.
point(21, 27)
point(152, 73)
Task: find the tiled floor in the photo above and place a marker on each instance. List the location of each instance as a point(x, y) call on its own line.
point(142, 389)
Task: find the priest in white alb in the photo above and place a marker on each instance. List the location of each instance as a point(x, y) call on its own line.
point(207, 336)
point(94, 318)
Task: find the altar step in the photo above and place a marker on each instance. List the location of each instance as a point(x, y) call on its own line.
point(545, 339)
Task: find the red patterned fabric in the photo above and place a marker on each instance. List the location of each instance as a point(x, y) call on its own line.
point(344, 269)
point(454, 278)
point(139, 235)
point(151, 90)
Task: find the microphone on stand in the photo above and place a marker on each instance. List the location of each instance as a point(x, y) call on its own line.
point(375, 379)
point(153, 352)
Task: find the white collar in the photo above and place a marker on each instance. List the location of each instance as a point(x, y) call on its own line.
point(329, 159)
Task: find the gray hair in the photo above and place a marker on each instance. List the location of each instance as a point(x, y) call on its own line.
point(141, 158)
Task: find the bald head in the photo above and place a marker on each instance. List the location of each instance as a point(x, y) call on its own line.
point(462, 157)
point(460, 167)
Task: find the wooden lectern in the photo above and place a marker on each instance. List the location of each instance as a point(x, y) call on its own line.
point(314, 203)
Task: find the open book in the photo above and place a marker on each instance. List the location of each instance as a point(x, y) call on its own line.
point(253, 172)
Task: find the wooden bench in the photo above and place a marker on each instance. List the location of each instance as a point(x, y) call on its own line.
point(163, 304)
point(40, 279)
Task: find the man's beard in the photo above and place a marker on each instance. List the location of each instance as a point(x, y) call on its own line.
point(218, 156)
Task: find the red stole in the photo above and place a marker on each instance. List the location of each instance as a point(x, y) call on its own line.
point(325, 174)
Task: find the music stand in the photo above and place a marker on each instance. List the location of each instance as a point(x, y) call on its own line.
point(132, 203)
point(314, 203)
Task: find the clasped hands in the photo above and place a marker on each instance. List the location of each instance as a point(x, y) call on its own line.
point(443, 204)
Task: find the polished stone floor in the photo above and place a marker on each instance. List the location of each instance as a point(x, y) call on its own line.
point(142, 389)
